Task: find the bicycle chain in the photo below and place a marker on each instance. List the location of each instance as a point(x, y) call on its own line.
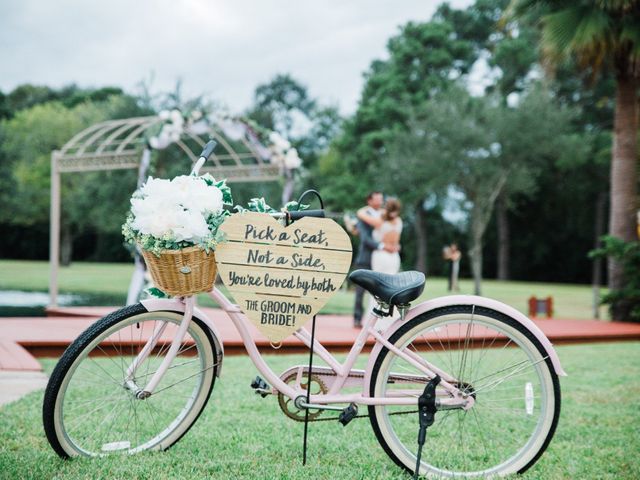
point(299, 416)
point(315, 419)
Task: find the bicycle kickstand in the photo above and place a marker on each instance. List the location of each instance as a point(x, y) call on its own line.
point(426, 414)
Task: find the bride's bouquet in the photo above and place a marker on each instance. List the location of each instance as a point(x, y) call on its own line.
point(175, 224)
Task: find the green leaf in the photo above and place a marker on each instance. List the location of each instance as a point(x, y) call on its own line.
point(155, 292)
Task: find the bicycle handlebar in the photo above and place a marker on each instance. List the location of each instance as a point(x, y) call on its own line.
point(208, 149)
point(306, 213)
point(298, 215)
point(204, 156)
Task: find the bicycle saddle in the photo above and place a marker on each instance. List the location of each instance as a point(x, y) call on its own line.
point(398, 289)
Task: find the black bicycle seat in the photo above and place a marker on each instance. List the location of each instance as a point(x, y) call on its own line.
point(398, 289)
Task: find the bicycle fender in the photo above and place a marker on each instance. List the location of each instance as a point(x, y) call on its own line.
point(174, 305)
point(453, 300)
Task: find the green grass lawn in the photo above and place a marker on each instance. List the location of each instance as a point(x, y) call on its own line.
point(241, 435)
point(571, 301)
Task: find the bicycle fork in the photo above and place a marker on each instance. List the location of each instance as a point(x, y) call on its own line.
point(129, 381)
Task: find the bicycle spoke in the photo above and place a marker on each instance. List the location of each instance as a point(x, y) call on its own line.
point(484, 441)
point(523, 362)
point(518, 372)
point(113, 380)
point(185, 379)
point(490, 363)
point(465, 348)
point(170, 368)
point(101, 415)
point(107, 430)
point(91, 413)
point(109, 357)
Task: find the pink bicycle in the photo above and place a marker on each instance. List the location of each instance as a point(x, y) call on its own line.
point(477, 373)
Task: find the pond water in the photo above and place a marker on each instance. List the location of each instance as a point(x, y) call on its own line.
point(18, 303)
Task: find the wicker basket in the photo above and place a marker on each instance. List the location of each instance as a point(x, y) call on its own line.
point(182, 272)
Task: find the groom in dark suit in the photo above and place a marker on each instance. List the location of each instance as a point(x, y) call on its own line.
point(367, 246)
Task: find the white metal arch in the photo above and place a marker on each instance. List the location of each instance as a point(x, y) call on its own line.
point(118, 144)
point(123, 144)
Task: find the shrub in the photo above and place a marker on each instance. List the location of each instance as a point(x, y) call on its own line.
point(626, 301)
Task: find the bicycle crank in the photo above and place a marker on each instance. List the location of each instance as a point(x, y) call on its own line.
point(289, 407)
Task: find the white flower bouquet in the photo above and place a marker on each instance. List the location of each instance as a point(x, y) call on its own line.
point(175, 224)
point(178, 213)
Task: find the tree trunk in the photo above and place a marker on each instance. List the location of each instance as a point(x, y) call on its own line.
point(624, 177)
point(598, 232)
point(421, 239)
point(504, 239)
point(483, 205)
point(477, 232)
point(476, 264)
point(66, 245)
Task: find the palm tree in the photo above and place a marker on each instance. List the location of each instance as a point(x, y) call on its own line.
point(602, 34)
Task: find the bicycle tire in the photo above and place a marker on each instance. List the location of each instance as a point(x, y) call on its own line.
point(72, 358)
point(401, 454)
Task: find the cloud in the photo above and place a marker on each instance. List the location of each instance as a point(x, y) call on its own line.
point(221, 48)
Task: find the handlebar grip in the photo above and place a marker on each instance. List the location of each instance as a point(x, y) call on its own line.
point(306, 213)
point(208, 149)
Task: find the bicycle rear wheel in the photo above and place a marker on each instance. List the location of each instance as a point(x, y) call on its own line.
point(88, 408)
point(494, 359)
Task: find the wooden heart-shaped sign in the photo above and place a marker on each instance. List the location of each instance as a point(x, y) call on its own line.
point(282, 276)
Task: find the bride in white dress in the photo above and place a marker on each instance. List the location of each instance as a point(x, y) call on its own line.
point(386, 258)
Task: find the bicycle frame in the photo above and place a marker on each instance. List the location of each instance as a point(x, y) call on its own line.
point(452, 399)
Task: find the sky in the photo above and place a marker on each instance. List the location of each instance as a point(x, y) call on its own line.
point(219, 48)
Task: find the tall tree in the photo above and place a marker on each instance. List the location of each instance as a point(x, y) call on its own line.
point(604, 34)
point(508, 55)
point(278, 102)
point(284, 105)
point(513, 53)
point(490, 147)
point(5, 111)
point(426, 59)
point(423, 60)
point(29, 138)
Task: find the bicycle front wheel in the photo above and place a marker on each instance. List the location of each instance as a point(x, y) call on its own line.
point(90, 407)
point(493, 358)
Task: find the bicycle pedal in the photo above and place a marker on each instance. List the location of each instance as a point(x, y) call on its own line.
point(348, 414)
point(261, 387)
